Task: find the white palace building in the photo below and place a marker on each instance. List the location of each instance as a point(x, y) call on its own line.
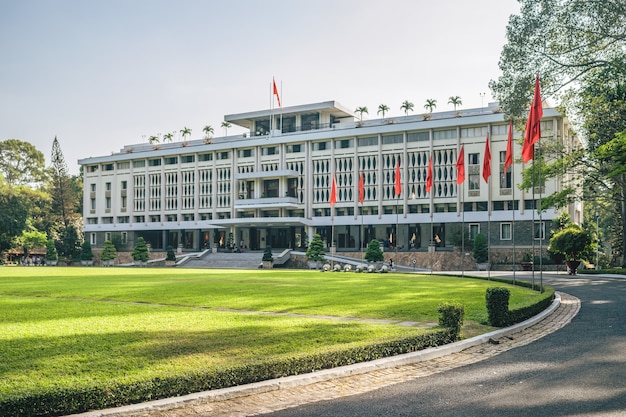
point(271, 186)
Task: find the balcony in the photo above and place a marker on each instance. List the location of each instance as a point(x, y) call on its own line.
point(266, 203)
point(266, 174)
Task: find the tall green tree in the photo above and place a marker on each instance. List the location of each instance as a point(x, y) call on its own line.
point(361, 110)
point(406, 107)
point(185, 132)
point(63, 196)
point(226, 125)
point(430, 105)
point(13, 216)
point(455, 101)
point(21, 163)
point(383, 108)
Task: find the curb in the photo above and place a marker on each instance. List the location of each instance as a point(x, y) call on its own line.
point(319, 376)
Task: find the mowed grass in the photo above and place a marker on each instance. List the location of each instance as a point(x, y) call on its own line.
point(84, 327)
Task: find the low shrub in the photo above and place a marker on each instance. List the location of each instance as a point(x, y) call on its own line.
point(451, 316)
point(498, 306)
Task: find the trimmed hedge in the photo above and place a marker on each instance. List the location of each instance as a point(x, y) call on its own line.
point(451, 316)
point(498, 305)
point(63, 401)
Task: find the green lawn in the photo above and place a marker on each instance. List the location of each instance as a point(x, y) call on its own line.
point(84, 327)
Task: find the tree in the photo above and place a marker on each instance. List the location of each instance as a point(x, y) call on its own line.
point(208, 131)
point(171, 256)
point(406, 106)
point(226, 125)
point(316, 250)
point(185, 132)
point(480, 249)
point(573, 242)
point(374, 253)
point(86, 254)
point(31, 239)
point(383, 108)
point(108, 251)
point(70, 245)
point(168, 137)
point(13, 216)
point(21, 163)
point(576, 47)
point(51, 251)
point(455, 101)
point(153, 140)
point(361, 110)
point(430, 104)
point(63, 196)
point(267, 254)
point(140, 251)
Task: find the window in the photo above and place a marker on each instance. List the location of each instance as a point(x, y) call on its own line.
point(187, 159)
point(474, 172)
point(92, 238)
point(499, 130)
point(474, 132)
point(321, 146)
point(223, 155)
point(344, 144)
point(107, 236)
point(123, 202)
point(123, 165)
point(123, 219)
point(310, 121)
point(444, 134)
point(108, 167)
point(203, 157)
point(505, 179)
point(108, 203)
point(505, 231)
point(107, 186)
point(139, 164)
point(154, 162)
point(173, 160)
point(369, 141)
point(124, 185)
point(93, 204)
point(295, 148)
point(418, 137)
point(93, 188)
point(245, 153)
point(92, 220)
point(272, 150)
point(93, 168)
point(391, 139)
point(474, 229)
point(540, 230)
point(124, 237)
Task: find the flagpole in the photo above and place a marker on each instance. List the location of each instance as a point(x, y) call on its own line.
point(540, 226)
point(513, 226)
point(271, 107)
point(281, 107)
point(462, 230)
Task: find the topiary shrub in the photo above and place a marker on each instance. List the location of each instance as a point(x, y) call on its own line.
point(171, 256)
point(316, 250)
point(480, 249)
point(267, 254)
point(86, 254)
point(374, 253)
point(498, 306)
point(451, 316)
point(140, 251)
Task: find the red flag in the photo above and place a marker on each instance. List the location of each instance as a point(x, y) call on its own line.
point(487, 161)
point(533, 125)
point(460, 167)
point(398, 179)
point(333, 192)
point(429, 175)
point(275, 91)
point(508, 159)
point(362, 188)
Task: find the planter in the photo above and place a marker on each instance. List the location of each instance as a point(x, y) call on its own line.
point(314, 264)
point(170, 263)
point(268, 264)
point(86, 263)
point(483, 266)
point(108, 262)
point(526, 266)
point(51, 262)
point(214, 249)
point(572, 266)
point(140, 263)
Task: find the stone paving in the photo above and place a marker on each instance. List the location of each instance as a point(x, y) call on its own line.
point(287, 397)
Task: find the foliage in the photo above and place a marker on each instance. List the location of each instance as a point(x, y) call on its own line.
point(481, 249)
point(573, 242)
point(267, 254)
point(361, 110)
point(51, 251)
point(13, 216)
point(63, 197)
point(21, 163)
point(374, 253)
point(406, 107)
point(160, 343)
point(451, 315)
point(316, 250)
point(31, 239)
point(70, 245)
point(498, 305)
point(108, 251)
point(455, 101)
point(383, 108)
point(430, 105)
point(86, 254)
point(141, 251)
point(171, 256)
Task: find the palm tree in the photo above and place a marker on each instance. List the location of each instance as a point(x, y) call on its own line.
point(226, 125)
point(383, 108)
point(455, 101)
point(361, 110)
point(168, 137)
point(208, 131)
point(430, 104)
point(185, 132)
point(407, 106)
point(153, 139)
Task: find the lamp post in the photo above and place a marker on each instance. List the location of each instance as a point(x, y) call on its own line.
point(597, 242)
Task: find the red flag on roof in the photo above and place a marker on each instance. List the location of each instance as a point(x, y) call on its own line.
point(487, 161)
point(533, 125)
point(333, 192)
point(429, 175)
point(362, 188)
point(275, 91)
point(508, 159)
point(460, 167)
point(398, 179)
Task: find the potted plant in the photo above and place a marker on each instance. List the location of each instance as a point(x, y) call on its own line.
point(268, 259)
point(527, 262)
point(170, 259)
point(108, 253)
point(86, 254)
point(141, 253)
point(315, 253)
point(374, 252)
point(52, 256)
point(481, 252)
point(573, 243)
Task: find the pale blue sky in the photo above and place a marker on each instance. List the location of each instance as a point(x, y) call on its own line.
point(103, 74)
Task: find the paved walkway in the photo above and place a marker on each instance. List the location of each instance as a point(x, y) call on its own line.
point(326, 385)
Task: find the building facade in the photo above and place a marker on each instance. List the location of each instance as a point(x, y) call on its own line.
point(271, 186)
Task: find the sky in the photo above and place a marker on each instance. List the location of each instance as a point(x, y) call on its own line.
point(99, 75)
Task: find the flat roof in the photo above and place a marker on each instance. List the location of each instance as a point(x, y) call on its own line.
point(247, 119)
